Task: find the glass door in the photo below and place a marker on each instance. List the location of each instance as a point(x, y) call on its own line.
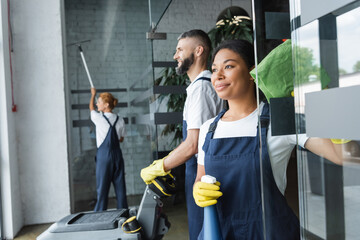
point(277, 174)
point(112, 36)
point(326, 60)
point(314, 97)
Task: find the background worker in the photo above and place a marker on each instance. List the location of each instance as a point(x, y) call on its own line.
point(229, 149)
point(202, 103)
point(110, 131)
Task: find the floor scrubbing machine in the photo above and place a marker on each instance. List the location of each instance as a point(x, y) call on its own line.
point(147, 222)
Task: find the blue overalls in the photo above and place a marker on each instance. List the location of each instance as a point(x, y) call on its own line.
point(194, 212)
point(110, 168)
point(235, 164)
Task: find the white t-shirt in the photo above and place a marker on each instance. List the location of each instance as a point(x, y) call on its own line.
point(279, 147)
point(102, 126)
point(202, 102)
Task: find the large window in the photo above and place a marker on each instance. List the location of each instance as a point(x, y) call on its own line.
point(327, 79)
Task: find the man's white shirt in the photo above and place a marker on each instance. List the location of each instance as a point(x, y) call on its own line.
point(202, 102)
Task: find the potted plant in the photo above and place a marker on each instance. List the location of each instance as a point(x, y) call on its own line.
point(232, 23)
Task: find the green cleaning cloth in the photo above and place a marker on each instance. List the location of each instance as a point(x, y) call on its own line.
point(275, 72)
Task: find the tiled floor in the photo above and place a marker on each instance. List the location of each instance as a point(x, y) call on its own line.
point(316, 213)
point(31, 232)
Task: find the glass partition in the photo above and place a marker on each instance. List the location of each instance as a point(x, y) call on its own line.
point(326, 85)
point(315, 97)
point(277, 160)
point(112, 35)
point(157, 8)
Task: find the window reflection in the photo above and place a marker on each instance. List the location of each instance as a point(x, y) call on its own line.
point(306, 61)
point(323, 184)
point(348, 44)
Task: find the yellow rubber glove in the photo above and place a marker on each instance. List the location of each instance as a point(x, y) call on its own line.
point(205, 194)
point(339, 141)
point(153, 170)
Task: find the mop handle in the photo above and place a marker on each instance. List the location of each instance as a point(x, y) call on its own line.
point(86, 68)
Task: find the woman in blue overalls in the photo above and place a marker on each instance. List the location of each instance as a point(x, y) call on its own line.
point(229, 149)
point(110, 131)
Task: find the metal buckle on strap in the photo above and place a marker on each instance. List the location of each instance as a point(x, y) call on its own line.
point(212, 127)
point(264, 121)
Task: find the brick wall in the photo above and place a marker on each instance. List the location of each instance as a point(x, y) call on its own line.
point(117, 57)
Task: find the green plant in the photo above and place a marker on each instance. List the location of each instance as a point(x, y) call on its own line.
point(231, 27)
point(175, 102)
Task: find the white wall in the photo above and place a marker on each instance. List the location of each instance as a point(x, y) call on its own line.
point(12, 219)
point(40, 121)
point(33, 140)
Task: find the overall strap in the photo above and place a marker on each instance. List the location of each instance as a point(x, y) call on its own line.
point(203, 78)
point(264, 122)
point(265, 118)
point(117, 118)
point(212, 129)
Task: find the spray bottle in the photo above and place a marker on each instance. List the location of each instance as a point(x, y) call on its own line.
point(211, 219)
